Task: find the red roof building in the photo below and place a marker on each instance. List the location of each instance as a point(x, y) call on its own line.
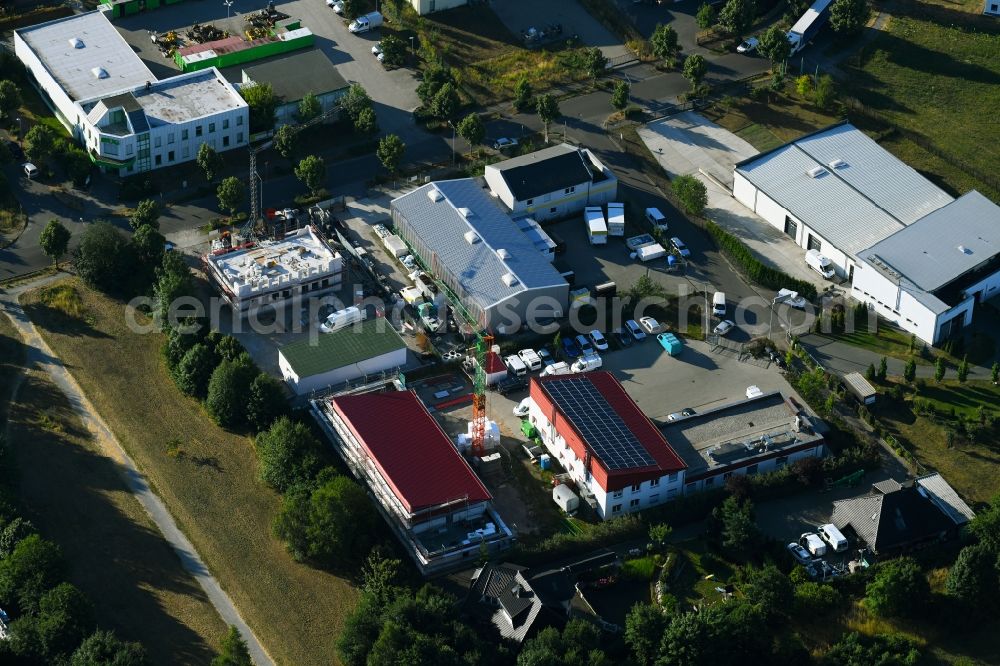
point(608, 445)
point(423, 486)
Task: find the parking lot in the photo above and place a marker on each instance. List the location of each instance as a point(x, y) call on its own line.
point(393, 92)
point(520, 16)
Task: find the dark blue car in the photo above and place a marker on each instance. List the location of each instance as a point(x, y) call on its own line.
point(570, 348)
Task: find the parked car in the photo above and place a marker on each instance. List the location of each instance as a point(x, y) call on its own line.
point(832, 536)
point(546, 357)
point(584, 344)
point(504, 143)
point(799, 554)
point(623, 338)
point(509, 385)
point(635, 330)
point(687, 411)
point(14, 150)
point(749, 46)
point(724, 327)
point(598, 340)
point(30, 170)
point(522, 408)
point(336, 5)
point(681, 248)
point(377, 52)
point(570, 348)
point(791, 298)
point(811, 542)
point(649, 325)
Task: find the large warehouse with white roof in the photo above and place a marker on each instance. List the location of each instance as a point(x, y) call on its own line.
point(111, 103)
point(471, 244)
point(914, 254)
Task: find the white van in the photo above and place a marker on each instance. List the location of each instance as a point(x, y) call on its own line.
point(719, 304)
point(531, 359)
point(30, 170)
point(656, 219)
point(819, 263)
point(342, 318)
point(557, 368)
point(587, 363)
point(515, 365)
point(833, 536)
point(811, 542)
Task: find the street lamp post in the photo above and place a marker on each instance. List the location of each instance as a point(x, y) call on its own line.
point(228, 4)
point(412, 50)
point(452, 142)
point(20, 131)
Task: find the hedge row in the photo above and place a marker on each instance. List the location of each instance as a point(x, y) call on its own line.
point(753, 268)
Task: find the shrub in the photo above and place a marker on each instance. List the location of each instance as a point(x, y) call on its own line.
point(899, 589)
point(814, 599)
point(227, 392)
point(287, 454)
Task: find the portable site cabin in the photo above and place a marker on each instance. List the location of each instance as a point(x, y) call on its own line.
point(650, 252)
point(860, 388)
point(565, 498)
point(395, 245)
point(616, 219)
point(671, 343)
point(597, 228)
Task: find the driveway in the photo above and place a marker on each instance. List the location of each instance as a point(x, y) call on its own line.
point(690, 144)
point(521, 15)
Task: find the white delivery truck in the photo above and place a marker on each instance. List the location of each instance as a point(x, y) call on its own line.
point(557, 368)
point(819, 263)
point(719, 304)
point(650, 252)
point(342, 318)
point(808, 25)
point(597, 228)
point(586, 363)
point(365, 23)
point(616, 219)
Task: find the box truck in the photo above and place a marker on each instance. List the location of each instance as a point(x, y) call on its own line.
point(597, 228)
point(587, 363)
point(808, 25)
point(650, 252)
point(819, 263)
point(616, 219)
point(365, 23)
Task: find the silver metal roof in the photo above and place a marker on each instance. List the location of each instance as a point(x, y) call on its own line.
point(942, 494)
point(945, 244)
point(103, 48)
point(478, 265)
point(866, 197)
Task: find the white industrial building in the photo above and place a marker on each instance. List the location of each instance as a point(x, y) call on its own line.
point(552, 183)
point(113, 105)
point(473, 247)
point(430, 6)
point(273, 272)
point(838, 192)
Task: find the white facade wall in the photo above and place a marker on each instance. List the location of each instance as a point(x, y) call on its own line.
point(306, 385)
point(992, 8)
point(750, 467)
point(615, 503)
point(897, 305)
point(287, 114)
point(429, 6)
point(66, 110)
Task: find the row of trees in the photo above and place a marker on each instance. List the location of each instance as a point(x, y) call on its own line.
point(736, 17)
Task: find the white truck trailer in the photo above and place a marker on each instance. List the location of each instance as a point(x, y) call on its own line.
point(597, 228)
point(616, 219)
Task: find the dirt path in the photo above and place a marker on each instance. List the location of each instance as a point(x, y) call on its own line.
point(40, 355)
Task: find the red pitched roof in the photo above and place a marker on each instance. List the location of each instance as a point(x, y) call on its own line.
point(649, 436)
point(494, 363)
point(414, 455)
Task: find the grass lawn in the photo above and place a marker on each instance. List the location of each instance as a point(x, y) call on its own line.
point(770, 121)
point(895, 343)
point(213, 491)
point(691, 583)
point(640, 568)
point(931, 72)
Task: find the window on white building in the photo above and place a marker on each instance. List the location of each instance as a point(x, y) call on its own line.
point(239, 120)
point(633, 503)
point(570, 190)
point(197, 130)
point(185, 153)
point(617, 494)
point(710, 481)
point(211, 128)
point(239, 138)
point(653, 483)
point(636, 487)
point(616, 508)
point(184, 135)
point(672, 477)
point(225, 123)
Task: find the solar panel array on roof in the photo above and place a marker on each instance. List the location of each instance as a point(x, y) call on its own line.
point(604, 431)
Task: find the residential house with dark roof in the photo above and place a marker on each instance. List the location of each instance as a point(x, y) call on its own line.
point(619, 460)
point(552, 183)
point(423, 487)
point(894, 518)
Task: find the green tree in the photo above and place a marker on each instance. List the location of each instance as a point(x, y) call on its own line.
point(54, 240)
point(472, 129)
point(663, 43)
point(40, 144)
point(691, 192)
point(149, 245)
point(231, 193)
point(65, 617)
point(705, 18)
point(714, 635)
point(774, 46)
point(78, 166)
point(804, 86)
point(33, 567)
point(658, 534)
point(209, 161)
point(103, 648)
point(286, 141)
point(644, 626)
point(898, 589)
point(578, 644)
point(263, 103)
point(870, 372)
point(195, 370)
point(619, 97)
point(227, 391)
point(435, 76)
point(548, 110)
point(355, 101)
point(816, 599)
point(393, 51)
point(445, 102)
point(849, 16)
point(146, 211)
point(104, 259)
point(366, 123)
point(974, 578)
point(939, 369)
point(233, 650)
point(737, 16)
point(10, 98)
point(522, 95)
point(695, 68)
point(910, 371)
point(769, 589)
point(287, 454)
point(309, 107)
point(963, 369)
point(266, 402)
point(173, 281)
point(825, 91)
point(228, 348)
point(853, 649)
point(595, 62)
point(354, 8)
point(738, 526)
point(883, 369)
point(12, 533)
point(311, 170)
point(390, 152)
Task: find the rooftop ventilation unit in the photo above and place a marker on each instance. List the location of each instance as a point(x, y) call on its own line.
point(76, 43)
point(471, 237)
point(838, 164)
point(466, 213)
point(434, 194)
point(503, 254)
point(964, 250)
point(99, 73)
point(509, 279)
point(816, 172)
